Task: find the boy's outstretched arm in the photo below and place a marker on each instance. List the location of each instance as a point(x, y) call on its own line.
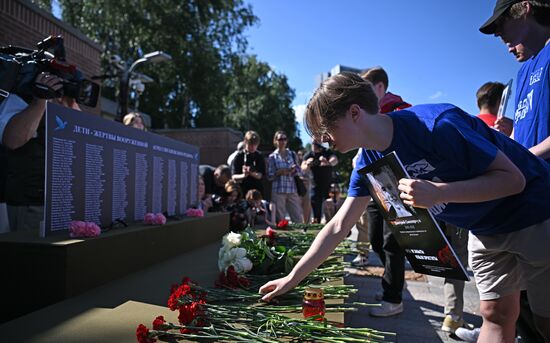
point(501, 179)
point(334, 232)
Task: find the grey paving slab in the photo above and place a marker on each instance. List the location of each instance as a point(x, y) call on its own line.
point(423, 308)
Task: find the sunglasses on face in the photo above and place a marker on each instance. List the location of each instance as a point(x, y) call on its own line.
point(281, 139)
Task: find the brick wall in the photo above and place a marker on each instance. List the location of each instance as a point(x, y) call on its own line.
point(25, 24)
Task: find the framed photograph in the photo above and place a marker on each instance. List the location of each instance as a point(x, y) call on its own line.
point(415, 229)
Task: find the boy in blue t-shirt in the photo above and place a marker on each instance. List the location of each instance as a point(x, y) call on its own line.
point(524, 28)
point(468, 174)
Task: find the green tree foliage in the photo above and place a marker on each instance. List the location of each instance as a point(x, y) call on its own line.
point(202, 36)
point(46, 5)
point(260, 99)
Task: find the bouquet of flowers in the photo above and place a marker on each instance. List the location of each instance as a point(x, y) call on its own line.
point(200, 320)
point(248, 253)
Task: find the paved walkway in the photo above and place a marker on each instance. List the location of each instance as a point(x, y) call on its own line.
point(421, 320)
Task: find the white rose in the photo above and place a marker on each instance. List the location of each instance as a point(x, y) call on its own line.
point(231, 240)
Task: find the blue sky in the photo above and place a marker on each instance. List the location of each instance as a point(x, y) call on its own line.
point(431, 49)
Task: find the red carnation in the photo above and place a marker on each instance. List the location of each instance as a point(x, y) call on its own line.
point(282, 224)
point(231, 279)
point(244, 282)
point(142, 335)
point(158, 323)
point(221, 281)
point(191, 314)
point(271, 233)
point(184, 294)
point(178, 295)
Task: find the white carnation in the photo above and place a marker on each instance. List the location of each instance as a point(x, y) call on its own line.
point(236, 257)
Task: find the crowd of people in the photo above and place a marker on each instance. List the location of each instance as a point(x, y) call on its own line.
point(266, 188)
point(488, 177)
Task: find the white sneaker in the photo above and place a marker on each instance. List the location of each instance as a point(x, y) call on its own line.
point(360, 261)
point(467, 335)
point(386, 310)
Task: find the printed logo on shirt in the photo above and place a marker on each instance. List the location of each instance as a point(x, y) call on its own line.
point(535, 76)
point(524, 106)
point(424, 167)
point(419, 168)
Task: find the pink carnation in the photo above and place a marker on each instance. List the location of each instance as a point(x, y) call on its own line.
point(83, 229)
point(154, 219)
point(149, 218)
point(194, 212)
point(160, 219)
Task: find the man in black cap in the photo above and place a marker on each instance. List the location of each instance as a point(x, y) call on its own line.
point(524, 26)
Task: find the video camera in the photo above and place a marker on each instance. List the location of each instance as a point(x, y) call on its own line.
point(19, 68)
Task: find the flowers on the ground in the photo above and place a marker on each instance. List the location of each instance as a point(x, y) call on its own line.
point(207, 314)
point(282, 224)
point(188, 301)
point(248, 253)
point(231, 279)
point(270, 233)
point(201, 320)
point(159, 323)
point(231, 254)
point(194, 212)
point(154, 219)
point(231, 240)
point(143, 335)
point(83, 229)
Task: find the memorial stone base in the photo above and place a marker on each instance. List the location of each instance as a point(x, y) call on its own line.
point(37, 272)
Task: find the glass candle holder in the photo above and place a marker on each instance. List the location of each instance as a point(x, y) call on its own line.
point(314, 303)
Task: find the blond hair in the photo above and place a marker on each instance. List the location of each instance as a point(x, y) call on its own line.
point(334, 97)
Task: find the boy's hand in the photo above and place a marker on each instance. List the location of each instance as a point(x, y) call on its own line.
point(276, 287)
point(419, 193)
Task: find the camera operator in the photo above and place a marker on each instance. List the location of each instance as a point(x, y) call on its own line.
point(22, 132)
point(321, 162)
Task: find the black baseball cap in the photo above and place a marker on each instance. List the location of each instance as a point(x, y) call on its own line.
point(500, 8)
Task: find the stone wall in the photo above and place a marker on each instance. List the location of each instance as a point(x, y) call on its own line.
point(25, 24)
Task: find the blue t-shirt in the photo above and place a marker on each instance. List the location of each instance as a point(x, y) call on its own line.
point(532, 116)
point(9, 108)
point(442, 143)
